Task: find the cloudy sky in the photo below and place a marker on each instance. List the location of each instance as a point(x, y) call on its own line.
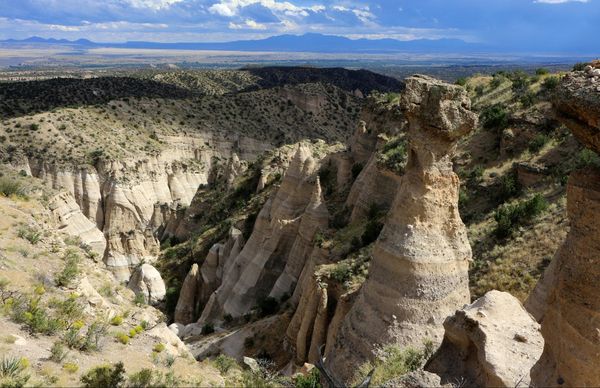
point(519, 24)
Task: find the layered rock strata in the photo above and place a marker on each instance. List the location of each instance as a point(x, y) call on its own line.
point(275, 242)
point(493, 342)
point(121, 197)
point(74, 223)
point(418, 275)
point(571, 317)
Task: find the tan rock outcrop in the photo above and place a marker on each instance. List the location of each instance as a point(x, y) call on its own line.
point(146, 281)
point(571, 320)
point(419, 270)
point(188, 297)
point(254, 272)
point(120, 196)
point(493, 342)
point(314, 219)
point(372, 186)
point(74, 223)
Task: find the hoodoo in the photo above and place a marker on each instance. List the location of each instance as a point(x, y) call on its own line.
point(571, 321)
point(418, 276)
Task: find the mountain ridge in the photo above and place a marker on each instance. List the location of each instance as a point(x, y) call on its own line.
point(310, 42)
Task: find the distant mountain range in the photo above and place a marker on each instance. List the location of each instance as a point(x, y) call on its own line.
point(282, 43)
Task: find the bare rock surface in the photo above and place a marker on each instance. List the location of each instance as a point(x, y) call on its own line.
point(577, 103)
point(419, 270)
point(493, 342)
point(74, 223)
point(146, 281)
point(569, 291)
point(283, 231)
point(188, 297)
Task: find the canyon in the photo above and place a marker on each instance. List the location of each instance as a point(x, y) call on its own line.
point(341, 240)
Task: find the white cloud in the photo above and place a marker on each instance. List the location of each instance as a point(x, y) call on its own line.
point(152, 4)
point(560, 1)
point(248, 24)
point(231, 8)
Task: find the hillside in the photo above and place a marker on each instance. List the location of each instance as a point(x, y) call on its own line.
point(281, 215)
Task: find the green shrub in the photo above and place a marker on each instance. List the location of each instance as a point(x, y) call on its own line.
point(509, 187)
point(138, 329)
point(494, 117)
point(528, 99)
point(461, 81)
point(122, 338)
point(541, 71)
point(29, 233)
point(34, 316)
point(550, 83)
point(393, 362)
point(394, 155)
point(12, 372)
point(117, 320)
point(509, 217)
point(580, 66)
point(34, 127)
point(311, 380)
point(587, 158)
point(140, 299)
point(70, 271)
point(58, 352)
point(145, 378)
point(105, 376)
point(224, 363)
point(342, 272)
point(71, 367)
point(158, 347)
point(538, 142)
point(10, 187)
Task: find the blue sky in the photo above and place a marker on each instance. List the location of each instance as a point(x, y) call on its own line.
point(520, 24)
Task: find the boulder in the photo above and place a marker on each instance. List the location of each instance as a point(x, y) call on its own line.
point(493, 342)
point(146, 281)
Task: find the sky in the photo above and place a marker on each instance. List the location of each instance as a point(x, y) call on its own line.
point(519, 24)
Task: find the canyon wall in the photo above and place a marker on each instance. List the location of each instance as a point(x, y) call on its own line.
point(418, 275)
point(126, 199)
point(571, 298)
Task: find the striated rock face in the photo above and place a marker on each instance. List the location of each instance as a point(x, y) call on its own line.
point(576, 102)
point(121, 197)
point(188, 297)
point(74, 223)
point(419, 270)
point(372, 186)
point(146, 281)
point(571, 320)
point(493, 342)
point(276, 243)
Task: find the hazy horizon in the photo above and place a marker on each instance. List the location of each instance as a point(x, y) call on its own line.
point(501, 25)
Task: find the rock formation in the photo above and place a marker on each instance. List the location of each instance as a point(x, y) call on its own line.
point(74, 223)
point(146, 281)
point(188, 297)
point(120, 196)
point(419, 270)
point(493, 342)
point(571, 318)
point(273, 243)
